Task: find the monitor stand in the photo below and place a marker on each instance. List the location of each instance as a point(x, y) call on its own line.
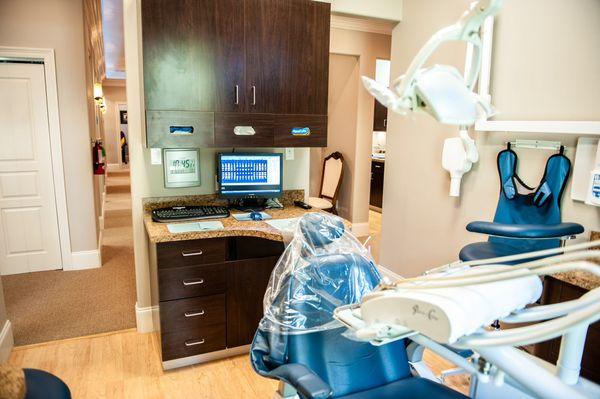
point(249, 204)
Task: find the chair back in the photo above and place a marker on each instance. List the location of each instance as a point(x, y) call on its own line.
point(540, 206)
point(333, 171)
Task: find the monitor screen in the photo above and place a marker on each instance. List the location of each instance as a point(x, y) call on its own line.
point(250, 175)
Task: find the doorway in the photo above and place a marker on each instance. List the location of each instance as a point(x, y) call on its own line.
point(28, 208)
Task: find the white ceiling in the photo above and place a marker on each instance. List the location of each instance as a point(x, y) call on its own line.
point(114, 48)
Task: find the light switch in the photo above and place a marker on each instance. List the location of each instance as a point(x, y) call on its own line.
point(155, 156)
point(289, 154)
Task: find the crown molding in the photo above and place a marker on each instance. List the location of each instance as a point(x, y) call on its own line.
point(362, 24)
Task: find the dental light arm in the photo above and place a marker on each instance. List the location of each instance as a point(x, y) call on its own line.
point(441, 91)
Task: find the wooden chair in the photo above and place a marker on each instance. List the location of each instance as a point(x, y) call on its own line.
point(331, 179)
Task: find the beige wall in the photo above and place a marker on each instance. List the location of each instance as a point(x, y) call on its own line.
point(58, 24)
point(569, 32)
point(114, 95)
point(342, 111)
point(424, 227)
point(355, 143)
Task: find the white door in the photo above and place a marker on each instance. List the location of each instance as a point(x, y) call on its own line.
point(28, 219)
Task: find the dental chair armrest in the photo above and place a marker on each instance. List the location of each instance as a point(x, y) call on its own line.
point(526, 231)
point(305, 381)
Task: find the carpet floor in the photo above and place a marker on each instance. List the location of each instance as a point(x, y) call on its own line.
point(52, 305)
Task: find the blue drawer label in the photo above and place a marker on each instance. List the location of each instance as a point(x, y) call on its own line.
point(300, 131)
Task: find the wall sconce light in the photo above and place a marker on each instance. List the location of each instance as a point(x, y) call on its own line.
point(98, 94)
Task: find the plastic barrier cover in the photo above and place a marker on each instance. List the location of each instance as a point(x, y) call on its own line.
point(322, 268)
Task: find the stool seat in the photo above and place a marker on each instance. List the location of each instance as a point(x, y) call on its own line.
point(43, 385)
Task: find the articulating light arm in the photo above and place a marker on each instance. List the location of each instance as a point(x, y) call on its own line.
point(441, 91)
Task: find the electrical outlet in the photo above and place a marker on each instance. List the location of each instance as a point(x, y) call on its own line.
point(289, 154)
point(155, 156)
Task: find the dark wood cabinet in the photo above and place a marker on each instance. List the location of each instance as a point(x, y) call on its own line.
point(556, 291)
point(267, 57)
point(380, 117)
point(287, 56)
point(377, 172)
point(248, 281)
point(179, 56)
point(211, 292)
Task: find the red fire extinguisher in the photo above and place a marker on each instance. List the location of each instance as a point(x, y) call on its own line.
point(98, 157)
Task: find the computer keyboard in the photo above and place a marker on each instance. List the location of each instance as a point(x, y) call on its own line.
point(176, 213)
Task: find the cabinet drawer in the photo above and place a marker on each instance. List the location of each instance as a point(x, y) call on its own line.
point(300, 130)
point(179, 129)
point(225, 130)
point(192, 313)
point(191, 281)
point(194, 341)
point(194, 252)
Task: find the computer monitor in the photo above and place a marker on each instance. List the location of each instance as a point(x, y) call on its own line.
point(248, 176)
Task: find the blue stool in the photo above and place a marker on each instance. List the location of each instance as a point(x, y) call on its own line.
point(43, 385)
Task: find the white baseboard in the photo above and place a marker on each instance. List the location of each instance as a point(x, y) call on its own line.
point(360, 229)
point(147, 319)
point(6, 341)
point(82, 260)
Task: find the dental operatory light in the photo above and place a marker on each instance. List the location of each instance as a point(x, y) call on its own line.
point(441, 91)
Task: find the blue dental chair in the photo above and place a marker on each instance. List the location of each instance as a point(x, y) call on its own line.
point(524, 222)
point(298, 341)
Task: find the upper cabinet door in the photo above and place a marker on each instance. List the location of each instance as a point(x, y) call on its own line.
point(179, 66)
point(229, 56)
point(193, 54)
point(287, 56)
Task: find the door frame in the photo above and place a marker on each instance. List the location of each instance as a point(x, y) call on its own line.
point(60, 197)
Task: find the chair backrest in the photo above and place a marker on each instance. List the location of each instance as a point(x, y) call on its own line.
point(333, 171)
point(540, 206)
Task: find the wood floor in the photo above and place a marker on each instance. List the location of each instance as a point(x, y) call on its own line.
point(126, 364)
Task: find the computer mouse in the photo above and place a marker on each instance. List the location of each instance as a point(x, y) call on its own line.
point(255, 215)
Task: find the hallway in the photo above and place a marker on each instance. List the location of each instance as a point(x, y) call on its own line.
point(52, 305)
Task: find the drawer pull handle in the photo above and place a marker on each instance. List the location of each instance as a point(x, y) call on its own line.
point(194, 343)
point(193, 282)
point(193, 314)
point(186, 254)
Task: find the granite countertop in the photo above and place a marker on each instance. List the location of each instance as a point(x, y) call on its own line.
point(579, 278)
point(158, 232)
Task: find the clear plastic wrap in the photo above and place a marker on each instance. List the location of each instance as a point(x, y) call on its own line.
point(322, 268)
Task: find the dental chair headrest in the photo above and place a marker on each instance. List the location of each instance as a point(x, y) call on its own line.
point(320, 230)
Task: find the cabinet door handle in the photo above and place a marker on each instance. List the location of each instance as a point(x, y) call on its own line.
point(385, 123)
point(237, 94)
point(194, 343)
point(193, 314)
point(187, 254)
point(253, 95)
point(187, 283)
